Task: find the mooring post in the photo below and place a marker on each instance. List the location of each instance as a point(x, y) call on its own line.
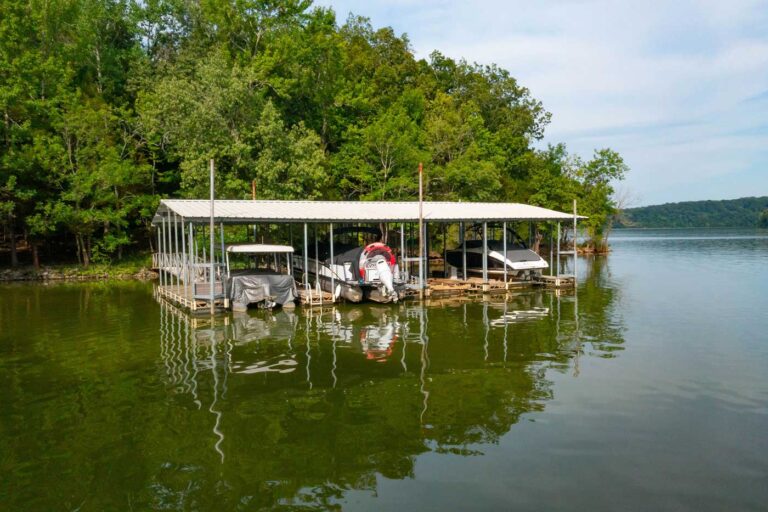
point(485, 253)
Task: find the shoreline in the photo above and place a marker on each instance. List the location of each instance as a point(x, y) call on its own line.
point(44, 274)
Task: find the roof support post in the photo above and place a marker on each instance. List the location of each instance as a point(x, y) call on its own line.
point(551, 250)
point(575, 248)
point(463, 235)
point(504, 248)
point(168, 254)
point(184, 262)
point(318, 284)
point(211, 236)
point(161, 259)
point(159, 254)
point(425, 256)
point(305, 277)
point(485, 253)
point(333, 265)
point(175, 246)
point(445, 251)
point(402, 249)
point(223, 252)
point(558, 248)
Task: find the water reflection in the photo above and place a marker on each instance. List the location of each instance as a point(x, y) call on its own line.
point(312, 403)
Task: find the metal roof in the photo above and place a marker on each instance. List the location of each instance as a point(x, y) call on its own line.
point(277, 211)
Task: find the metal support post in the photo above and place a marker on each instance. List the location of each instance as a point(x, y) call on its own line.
point(333, 265)
point(485, 253)
point(558, 249)
point(402, 249)
point(551, 250)
point(185, 263)
point(161, 258)
point(211, 237)
point(504, 248)
point(305, 277)
point(176, 249)
point(463, 236)
point(575, 248)
point(159, 254)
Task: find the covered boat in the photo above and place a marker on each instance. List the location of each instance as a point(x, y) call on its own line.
point(259, 274)
point(520, 261)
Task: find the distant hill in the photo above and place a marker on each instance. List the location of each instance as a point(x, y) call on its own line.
point(732, 213)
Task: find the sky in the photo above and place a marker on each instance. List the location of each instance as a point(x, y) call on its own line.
point(679, 88)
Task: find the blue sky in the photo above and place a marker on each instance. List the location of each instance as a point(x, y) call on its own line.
point(679, 88)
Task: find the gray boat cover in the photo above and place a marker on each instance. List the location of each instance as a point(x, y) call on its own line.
point(253, 286)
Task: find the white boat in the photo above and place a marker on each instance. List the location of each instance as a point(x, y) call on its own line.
point(520, 261)
point(356, 272)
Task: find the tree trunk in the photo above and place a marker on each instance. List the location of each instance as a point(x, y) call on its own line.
point(79, 243)
point(12, 234)
point(537, 238)
point(87, 251)
point(35, 257)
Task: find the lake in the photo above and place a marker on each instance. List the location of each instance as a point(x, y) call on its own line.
point(645, 390)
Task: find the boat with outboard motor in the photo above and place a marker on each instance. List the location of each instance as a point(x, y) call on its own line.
point(520, 261)
point(356, 272)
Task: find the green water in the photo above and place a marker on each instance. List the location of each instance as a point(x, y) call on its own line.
point(648, 390)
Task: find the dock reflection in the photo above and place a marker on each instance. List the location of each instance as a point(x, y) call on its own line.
point(329, 398)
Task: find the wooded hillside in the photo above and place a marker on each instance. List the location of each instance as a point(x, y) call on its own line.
point(109, 105)
point(747, 212)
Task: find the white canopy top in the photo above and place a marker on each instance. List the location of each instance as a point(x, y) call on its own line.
point(245, 211)
point(259, 248)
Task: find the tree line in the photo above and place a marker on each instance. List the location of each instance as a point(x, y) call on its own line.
point(746, 212)
point(109, 105)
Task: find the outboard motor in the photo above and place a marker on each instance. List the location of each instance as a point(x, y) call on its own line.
point(377, 264)
point(386, 277)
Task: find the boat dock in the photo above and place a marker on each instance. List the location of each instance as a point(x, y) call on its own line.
point(192, 236)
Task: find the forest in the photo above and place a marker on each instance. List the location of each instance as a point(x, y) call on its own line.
point(746, 212)
point(110, 105)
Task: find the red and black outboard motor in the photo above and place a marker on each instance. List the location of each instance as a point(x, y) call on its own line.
point(377, 266)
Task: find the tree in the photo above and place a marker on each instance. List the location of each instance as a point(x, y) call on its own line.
point(762, 221)
point(595, 179)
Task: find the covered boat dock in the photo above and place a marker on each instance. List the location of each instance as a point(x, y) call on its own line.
point(191, 264)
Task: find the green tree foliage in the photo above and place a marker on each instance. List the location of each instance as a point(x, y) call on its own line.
point(746, 212)
point(762, 221)
point(108, 105)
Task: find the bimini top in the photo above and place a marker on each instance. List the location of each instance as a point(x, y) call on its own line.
point(259, 248)
point(247, 211)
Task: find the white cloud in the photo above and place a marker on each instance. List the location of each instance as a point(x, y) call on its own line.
point(664, 83)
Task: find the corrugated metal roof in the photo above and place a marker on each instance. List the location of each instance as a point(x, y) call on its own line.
point(245, 211)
